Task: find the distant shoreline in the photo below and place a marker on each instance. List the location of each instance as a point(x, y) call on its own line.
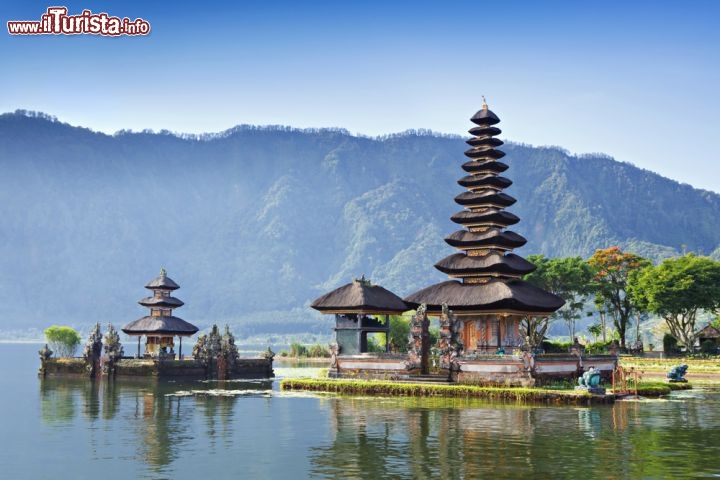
point(36, 342)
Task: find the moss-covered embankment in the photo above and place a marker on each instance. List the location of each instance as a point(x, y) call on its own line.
point(658, 389)
point(386, 388)
point(526, 395)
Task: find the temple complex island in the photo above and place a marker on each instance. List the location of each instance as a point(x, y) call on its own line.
point(160, 327)
point(214, 355)
point(486, 291)
point(487, 313)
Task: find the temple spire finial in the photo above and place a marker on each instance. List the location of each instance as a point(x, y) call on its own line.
point(484, 104)
point(163, 273)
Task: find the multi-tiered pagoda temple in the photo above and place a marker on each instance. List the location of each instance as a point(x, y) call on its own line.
point(160, 327)
point(486, 291)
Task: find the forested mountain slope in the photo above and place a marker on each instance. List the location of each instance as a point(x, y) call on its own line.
point(255, 222)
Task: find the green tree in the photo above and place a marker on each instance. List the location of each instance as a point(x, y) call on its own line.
point(569, 278)
point(595, 330)
point(612, 269)
point(399, 331)
point(677, 290)
point(62, 340)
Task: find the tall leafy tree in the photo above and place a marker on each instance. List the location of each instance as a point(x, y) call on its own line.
point(569, 278)
point(677, 290)
point(612, 269)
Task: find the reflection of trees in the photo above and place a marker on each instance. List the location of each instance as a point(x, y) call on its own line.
point(450, 438)
point(159, 419)
point(667, 443)
point(57, 400)
point(60, 398)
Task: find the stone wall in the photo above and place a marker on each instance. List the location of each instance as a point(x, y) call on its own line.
point(381, 366)
point(506, 370)
point(64, 367)
point(497, 370)
point(149, 368)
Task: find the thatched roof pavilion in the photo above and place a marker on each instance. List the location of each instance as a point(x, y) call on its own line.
point(488, 292)
point(160, 327)
point(360, 297)
point(356, 307)
point(708, 333)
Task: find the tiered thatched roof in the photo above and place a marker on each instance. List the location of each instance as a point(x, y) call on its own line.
point(161, 303)
point(490, 274)
point(495, 296)
point(162, 282)
point(160, 326)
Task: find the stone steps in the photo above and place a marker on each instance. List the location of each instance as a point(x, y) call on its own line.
point(433, 379)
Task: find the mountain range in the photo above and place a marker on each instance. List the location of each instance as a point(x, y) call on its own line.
point(255, 222)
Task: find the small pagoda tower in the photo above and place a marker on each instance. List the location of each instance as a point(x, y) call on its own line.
point(160, 327)
point(486, 291)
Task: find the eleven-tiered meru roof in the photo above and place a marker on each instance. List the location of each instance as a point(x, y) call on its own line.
point(489, 274)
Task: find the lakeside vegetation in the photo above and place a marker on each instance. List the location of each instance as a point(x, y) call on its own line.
point(627, 290)
point(706, 365)
point(299, 350)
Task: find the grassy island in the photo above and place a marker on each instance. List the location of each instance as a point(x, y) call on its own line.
point(388, 388)
point(565, 396)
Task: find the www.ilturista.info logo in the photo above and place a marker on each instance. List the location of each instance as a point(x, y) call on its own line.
point(57, 22)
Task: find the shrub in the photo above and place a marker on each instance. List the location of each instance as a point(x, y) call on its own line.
point(318, 351)
point(62, 340)
point(298, 350)
point(556, 347)
point(598, 347)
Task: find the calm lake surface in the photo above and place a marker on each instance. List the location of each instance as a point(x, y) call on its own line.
point(79, 429)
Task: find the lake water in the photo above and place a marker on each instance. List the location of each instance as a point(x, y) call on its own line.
point(79, 429)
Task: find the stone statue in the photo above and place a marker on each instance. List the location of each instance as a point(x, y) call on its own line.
point(419, 341)
point(334, 351)
point(677, 373)
point(590, 382)
point(449, 343)
point(45, 353)
point(269, 354)
point(113, 349)
point(228, 348)
point(93, 351)
point(199, 351)
point(217, 353)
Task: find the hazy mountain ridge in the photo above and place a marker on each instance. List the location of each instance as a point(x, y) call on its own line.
point(256, 219)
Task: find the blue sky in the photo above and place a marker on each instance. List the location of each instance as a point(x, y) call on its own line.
point(637, 80)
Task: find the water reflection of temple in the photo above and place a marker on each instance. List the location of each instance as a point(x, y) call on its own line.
point(465, 438)
point(155, 421)
point(420, 438)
